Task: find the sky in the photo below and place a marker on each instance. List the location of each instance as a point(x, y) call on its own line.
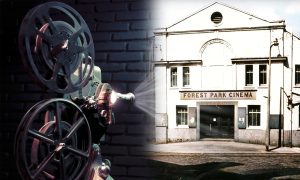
point(171, 11)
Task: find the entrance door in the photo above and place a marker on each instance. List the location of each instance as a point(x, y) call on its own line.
point(216, 121)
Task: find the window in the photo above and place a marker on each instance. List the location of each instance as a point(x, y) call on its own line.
point(297, 74)
point(181, 115)
point(254, 115)
point(262, 75)
point(216, 17)
point(173, 76)
point(186, 76)
point(249, 75)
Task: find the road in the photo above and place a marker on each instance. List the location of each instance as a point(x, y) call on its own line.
point(241, 162)
point(226, 166)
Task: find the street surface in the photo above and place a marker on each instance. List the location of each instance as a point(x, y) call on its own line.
point(220, 160)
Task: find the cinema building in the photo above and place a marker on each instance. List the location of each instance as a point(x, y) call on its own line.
point(212, 78)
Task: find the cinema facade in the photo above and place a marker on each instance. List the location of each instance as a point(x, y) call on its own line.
point(211, 78)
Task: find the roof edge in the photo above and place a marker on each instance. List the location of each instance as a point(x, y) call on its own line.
point(205, 7)
point(223, 4)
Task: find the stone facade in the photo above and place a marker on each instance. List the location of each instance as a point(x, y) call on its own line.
point(217, 48)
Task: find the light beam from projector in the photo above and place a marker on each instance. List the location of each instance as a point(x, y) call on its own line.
point(144, 96)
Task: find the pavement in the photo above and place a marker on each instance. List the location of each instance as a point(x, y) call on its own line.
point(218, 147)
point(223, 160)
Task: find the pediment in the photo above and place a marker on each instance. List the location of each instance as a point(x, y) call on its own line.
point(220, 16)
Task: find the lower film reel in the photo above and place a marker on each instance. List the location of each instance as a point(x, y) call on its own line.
point(53, 141)
point(55, 42)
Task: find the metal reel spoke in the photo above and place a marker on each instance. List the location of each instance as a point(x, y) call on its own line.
point(74, 128)
point(43, 165)
point(42, 35)
point(78, 152)
point(77, 50)
point(76, 34)
point(22, 124)
point(44, 17)
point(56, 70)
point(40, 136)
point(53, 142)
point(51, 24)
point(54, 35)
point(48, 175)
point(62, 166)
point(49, 116)
point(58, 121)
point(67, 71)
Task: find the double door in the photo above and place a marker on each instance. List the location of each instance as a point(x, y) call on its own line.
point(216, 121)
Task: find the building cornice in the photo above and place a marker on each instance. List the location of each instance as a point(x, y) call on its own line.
point(177, 62)
point(220, 30)
point(258, 60)
point(241, 60)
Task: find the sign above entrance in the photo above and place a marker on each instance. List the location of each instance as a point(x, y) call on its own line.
point(218, 95)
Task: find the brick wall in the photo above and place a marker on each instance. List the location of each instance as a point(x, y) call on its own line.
point(121, 37)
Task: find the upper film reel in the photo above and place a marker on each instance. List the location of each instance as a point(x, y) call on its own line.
point(57, 46)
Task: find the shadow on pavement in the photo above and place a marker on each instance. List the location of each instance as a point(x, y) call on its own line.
point(215, 171)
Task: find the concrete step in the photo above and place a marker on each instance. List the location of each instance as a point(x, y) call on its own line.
point(217, 139)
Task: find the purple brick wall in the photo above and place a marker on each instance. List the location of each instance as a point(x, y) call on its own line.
point(120, 30)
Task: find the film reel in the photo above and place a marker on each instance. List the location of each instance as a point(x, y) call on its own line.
point(55, 43)
point(53, 141)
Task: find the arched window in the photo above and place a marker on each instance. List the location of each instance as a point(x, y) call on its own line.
point(216, 52)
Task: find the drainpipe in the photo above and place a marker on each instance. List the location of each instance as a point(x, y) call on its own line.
point(166, 59)
point(280, 119)
point(292, 63)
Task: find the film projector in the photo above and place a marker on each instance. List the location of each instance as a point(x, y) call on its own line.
point(59, 138)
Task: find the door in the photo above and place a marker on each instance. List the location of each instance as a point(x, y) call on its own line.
point(216, 121)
